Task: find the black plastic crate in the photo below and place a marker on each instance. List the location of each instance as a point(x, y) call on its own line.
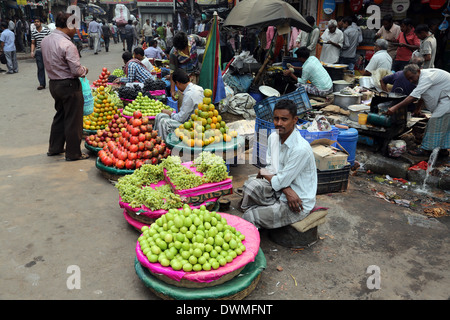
point(331, 181)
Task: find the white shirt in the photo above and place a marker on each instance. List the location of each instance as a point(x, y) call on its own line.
point(303, 40)
point(380, 60)
point(434, 88)
point(428, 46)
point(294, 166)
point(330, 54)
point(147, 64)
point(192, 96)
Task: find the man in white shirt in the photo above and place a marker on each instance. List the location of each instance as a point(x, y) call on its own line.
point(147, 31)
point(95, 32)
point(434, 89)
point(380, 60)
point(309, 39)
point(332, 40)
point(167, 121)
point(428, 45)
point(285, 191)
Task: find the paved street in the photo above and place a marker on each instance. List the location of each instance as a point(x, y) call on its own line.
point(55, 215)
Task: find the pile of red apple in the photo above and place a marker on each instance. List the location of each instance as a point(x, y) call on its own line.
point(111, 132)
point(102, 78)
point(137, 144)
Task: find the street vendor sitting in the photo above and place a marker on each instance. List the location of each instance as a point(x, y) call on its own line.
point(434, 89)
point(313, 71)
point(133, 69)
point(167, 121)
point(283, 192)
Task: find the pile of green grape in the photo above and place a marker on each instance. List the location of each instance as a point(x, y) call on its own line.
point(212, 166)
point(191, 240)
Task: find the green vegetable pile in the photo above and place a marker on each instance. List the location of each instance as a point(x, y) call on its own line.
point(135, 189)
point(212, 166)
point(191, 240)
point(148, 106)
point(118, 73)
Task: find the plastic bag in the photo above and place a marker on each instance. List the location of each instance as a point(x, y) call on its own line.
point(396, 148)
point(320, 123)
point(87, 95)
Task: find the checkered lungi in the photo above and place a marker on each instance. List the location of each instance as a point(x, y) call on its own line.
point(437, 134)
point(263, 207)
point(313, 90)
point(165, 125)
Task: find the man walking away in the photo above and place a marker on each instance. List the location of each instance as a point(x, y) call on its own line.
point(106, 31)
point(7, 46)
point(36, 38)
point(147, 31)
point(20, 31)
point(130, 34)
point(94, 31)
point(63, 67)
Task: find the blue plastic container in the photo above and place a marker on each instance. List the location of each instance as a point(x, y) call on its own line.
point(172, 103)
point(258, 96)
point(348, 139)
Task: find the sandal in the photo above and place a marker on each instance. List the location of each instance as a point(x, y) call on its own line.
point(83, 157)
point(51, 154)
point(419, 152)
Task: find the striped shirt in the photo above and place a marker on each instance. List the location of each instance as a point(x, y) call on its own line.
point(313, 71)
point(136, 72)
point(37, 36)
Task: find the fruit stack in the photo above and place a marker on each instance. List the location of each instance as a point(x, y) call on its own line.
point(104, 110)
point(197, 249)
point(149, 107)
point(96, 142)
point(138, 144)
point(102, 78)
point(145, 196)
point(205, 126)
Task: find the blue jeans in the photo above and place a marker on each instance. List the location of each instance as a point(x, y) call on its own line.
point(349, 61)
point(40, 67)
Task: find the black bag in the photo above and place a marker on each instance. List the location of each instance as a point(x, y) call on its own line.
point(3, 58)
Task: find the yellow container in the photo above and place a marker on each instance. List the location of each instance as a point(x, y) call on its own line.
point(362, 118)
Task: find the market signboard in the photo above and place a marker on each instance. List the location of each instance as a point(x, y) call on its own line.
point(155, 3)
point(116, 1)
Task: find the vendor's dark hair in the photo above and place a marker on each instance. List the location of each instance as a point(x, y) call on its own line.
point(348, 20)
point(61, 19)
point(138, 50)
point(310, 20)
point(180, 40)
point(127, 56)
point(181, 76)
point(387, 18)
point(407, 22)
point(286, 104)
point(420, 28)
point(303, 52)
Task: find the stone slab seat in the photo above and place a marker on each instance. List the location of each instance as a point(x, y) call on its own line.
point(302, 233)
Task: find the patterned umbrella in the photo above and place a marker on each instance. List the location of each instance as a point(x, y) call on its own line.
point(92, 8)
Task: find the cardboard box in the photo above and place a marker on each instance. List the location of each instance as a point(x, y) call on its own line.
point(328, 157)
